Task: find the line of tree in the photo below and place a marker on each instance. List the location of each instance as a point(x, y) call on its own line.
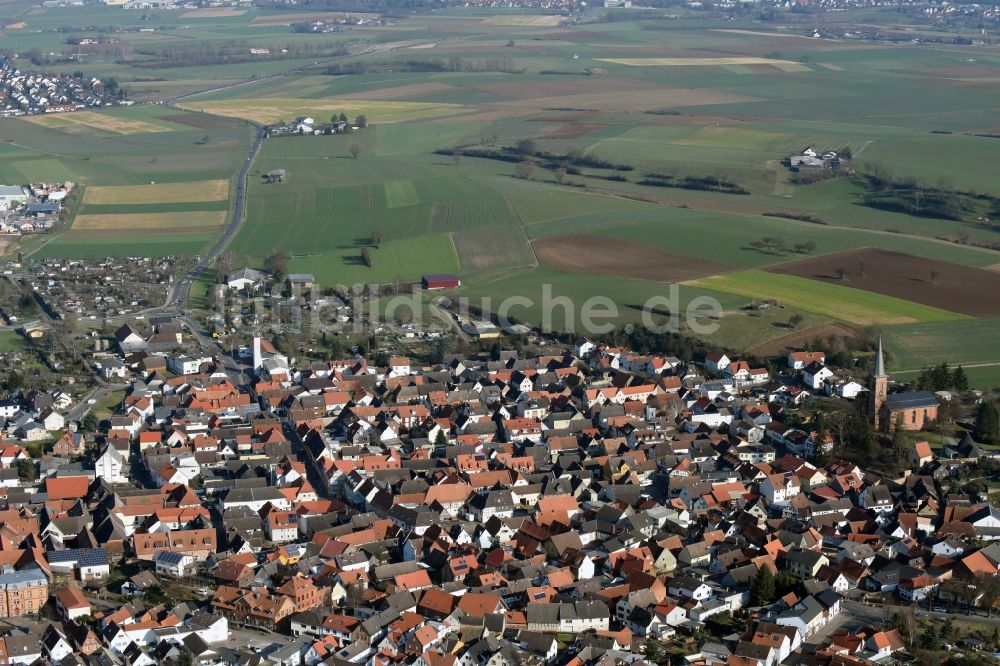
point(708, 184)
point(571, 161)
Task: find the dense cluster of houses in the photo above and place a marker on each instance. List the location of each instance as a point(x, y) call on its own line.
point(479, 511)
point(30, 93)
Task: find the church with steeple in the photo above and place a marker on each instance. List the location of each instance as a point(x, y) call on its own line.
point(878, 389)
point(912, 410)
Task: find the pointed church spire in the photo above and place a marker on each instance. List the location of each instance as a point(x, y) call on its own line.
point(879, 361)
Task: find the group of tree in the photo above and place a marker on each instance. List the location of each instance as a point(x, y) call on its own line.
point(776, 245)
point(942, 378)
point(886, 191)
point(987, 430)
point(766, 586)
point(276, 264)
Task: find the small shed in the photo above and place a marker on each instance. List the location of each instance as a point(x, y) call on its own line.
point(275, 176)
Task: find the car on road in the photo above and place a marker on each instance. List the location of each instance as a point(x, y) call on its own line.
point(939, 609)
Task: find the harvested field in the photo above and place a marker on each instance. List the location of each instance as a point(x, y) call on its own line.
point(77, 122)
point(200, 120)
point(606, 256)
point(198, 191)
point(525, 21)
point(965, 289)
point(149, 221)
point(213, 12)
point(689, 62)
point(573, 130)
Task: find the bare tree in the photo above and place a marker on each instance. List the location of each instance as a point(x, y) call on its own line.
point(841, 273)
point(795, 320)
point(354, 149)
point(560, 175)
point(524, 169)
point(934, 276)
point(366, 257)
point(376, 237)
point(456, 155)
point(224, 264)
point(861, 268)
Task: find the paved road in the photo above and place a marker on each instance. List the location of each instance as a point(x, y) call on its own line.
point(96, 394)
point(182, 288)
point(179, 293)
point(884, 612)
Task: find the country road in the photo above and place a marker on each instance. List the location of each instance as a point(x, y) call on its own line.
point(180, 291)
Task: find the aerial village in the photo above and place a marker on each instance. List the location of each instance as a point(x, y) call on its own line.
point(549, 504)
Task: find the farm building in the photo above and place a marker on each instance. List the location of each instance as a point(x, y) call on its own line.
point(302, 280)
point(275, 176)
point(481, 330)
point(11, 195)
point(443, 281)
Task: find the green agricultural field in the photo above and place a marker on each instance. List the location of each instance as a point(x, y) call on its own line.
point(726, 101)
point(401, 260)
point(851, 305)
point(76, 245)
point(492, 248)
point(915, 346)
point(569, 292)
point(726, 237)
point(175, 154)
point(43, 170)
point(331, 203)
point(549, 205)
point(267, 110)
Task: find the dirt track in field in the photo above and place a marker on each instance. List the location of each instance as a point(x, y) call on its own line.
point(608, 256)
point(966, 289)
